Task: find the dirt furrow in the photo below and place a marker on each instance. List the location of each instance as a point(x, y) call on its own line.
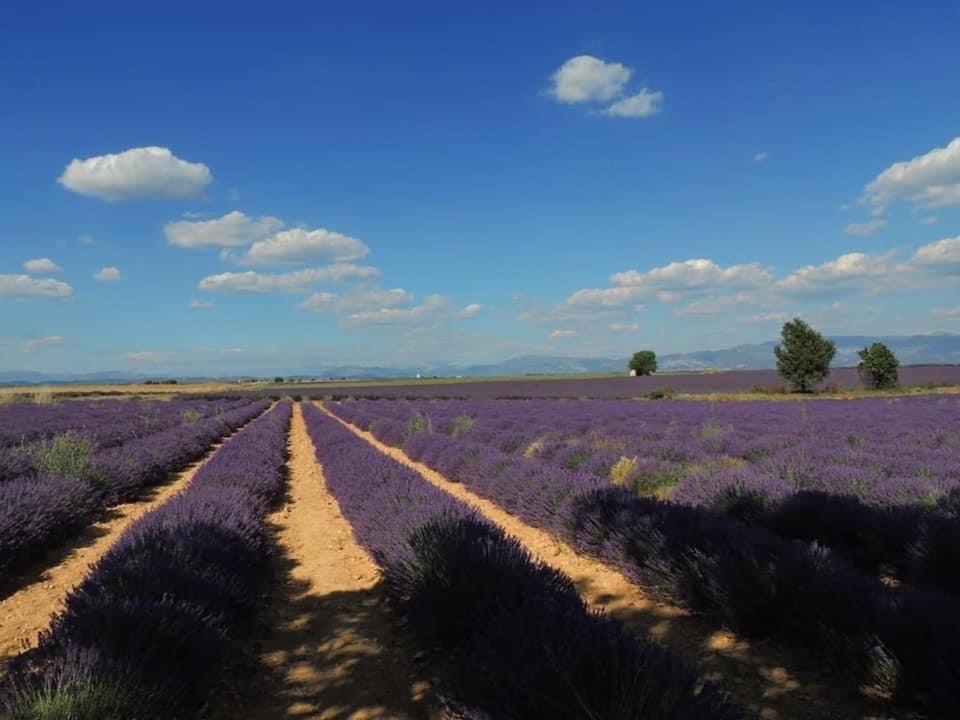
point(769, 681)
point(27, 611)
point(329, 646)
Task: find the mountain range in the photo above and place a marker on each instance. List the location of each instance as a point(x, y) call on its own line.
point(933, 349)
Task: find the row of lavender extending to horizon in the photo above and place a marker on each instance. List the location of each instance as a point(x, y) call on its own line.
point(745, 576)
point(876, 480)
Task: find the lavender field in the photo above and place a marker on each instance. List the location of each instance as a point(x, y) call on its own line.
point(612, 388)
point(827, 530)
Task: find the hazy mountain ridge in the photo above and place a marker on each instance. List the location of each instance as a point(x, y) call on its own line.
point(942, 348)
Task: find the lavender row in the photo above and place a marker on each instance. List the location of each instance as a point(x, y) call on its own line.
point(39, 512)
point(146, 634)
point(910, 541)
point(520, 640)
point(103, 422)
point(886, 452)
point(903, 643)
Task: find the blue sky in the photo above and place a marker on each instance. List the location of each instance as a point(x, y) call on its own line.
point(278, 188)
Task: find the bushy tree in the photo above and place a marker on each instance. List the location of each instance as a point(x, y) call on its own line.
point(878, 366)
point(804, 356)
point(644, 362)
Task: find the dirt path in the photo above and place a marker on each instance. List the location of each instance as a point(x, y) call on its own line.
point(27, 611)
point(770, 682)
point(329, 646)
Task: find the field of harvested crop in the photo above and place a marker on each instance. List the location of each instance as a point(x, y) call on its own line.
point(480, 559)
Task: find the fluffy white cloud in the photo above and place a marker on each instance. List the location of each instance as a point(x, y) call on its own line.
point(624, 327)
point(761, 157)
point(471, 310)
point(848, 272)
point(296, 281)
point(368, 298)
point(865, 229)
point(562, 334)
point(299, 245)
point(31, 345)
point(930, 220)
point(201, 304)
point(108, 274)
point(605, 297)
point(136, 173)
point(930, 180)
point(433, 308)
point(235, 229)
point(940, 255)
point(24, 286)
point(640, 105)
point(41, 265)
point(694, 274)
point(588, 79)
point(669, 282)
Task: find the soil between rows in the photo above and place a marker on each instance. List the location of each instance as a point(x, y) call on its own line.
point(771, 682)
point(327, 645)
point(41, 593)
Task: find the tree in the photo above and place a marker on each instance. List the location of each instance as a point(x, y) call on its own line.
point(878, 366)
point(803, 359)
point(277, 380)
point(644, 362)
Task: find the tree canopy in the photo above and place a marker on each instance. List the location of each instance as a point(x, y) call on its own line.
point(644, 362)
point(804, 355)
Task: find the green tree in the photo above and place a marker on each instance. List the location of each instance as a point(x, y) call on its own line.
point(804, 356)
point(644, 362)
point(277, 380)
point(878, 366)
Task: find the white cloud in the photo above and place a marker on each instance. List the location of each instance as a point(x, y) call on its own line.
point(296, 281)
point(234, 229)
point(761, 157)
point(108, 274)
point(471, 310)
point(433, 308)
point(693, 274)
point(767, 317)
point(31, 345)
point(625, 327)
point(850, 271)
point(930, 180)
point(588, 79)
point(865, 229)
point(24, 286)
point(940, 255)
point(86, 239)
point(201, 304)
point(136, 173)
point(562, 334)
point(327, 302)
point(148, 356)
point(299, 245)
point(605, 297)
point(930, 220)
point(640, 105)
point(41, 265)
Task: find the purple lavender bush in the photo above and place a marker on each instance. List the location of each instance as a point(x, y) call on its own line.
point(145, 635)
point(520, 641)
point(746, 578)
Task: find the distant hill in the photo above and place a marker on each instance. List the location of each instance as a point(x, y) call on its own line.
point(935, 349)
